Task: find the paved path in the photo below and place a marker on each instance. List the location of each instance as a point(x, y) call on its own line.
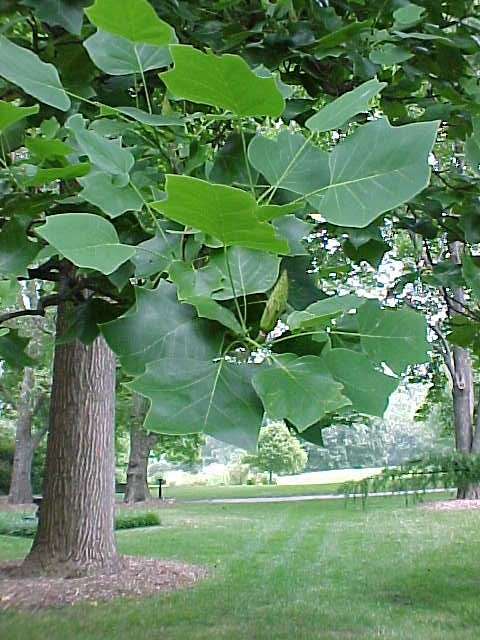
point(324, 496)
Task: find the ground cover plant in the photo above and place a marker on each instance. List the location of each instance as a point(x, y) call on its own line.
point(306, 570)
point(25, 524)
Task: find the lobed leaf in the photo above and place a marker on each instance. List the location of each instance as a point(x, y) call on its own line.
point(135, 20)
point(226, 82)
point(39, 79)
point(194, 396)
point(87, 240)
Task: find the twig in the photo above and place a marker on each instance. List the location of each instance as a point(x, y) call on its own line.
point(43, 304)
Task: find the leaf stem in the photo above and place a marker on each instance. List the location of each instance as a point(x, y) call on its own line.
point(149, 209)
point(247, 164)
point(273, 188)
point(142, 73)
point(241, 319)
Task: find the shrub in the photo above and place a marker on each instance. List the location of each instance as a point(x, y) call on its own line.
point(135, 519)
point(23, 525)
point(17, 524)
point(7, 451)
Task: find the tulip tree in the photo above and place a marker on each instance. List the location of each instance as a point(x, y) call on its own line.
point(147, 191)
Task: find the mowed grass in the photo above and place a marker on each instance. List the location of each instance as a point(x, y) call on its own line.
point(290, 571)
point(247, 491)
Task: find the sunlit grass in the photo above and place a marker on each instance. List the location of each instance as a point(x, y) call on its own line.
point(291, 571)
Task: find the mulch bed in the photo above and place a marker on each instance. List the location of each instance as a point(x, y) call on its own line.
point(138, 578)
point(453, 505)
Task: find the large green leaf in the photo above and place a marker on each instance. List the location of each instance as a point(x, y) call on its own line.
point(17, 251)
point(344, 34)
point(251, 272)
point(319, 314)
point(408, 15)
point(32, 176)
point(42, 149)
point(9, 293)
point(208, 308)
point(290, 162)
point(12, 349)
point(341, 110)
point(195, 288)
point(135, 20)
point(224, 81)
point(10, 113)
point(368, 389)
point(313, 434)
point(159, 327)
point(192, 282)
point(472, 147)
point(397, 337)
point(67, 14)
point(191, 396)
point(152, 119)
point(39, 79)
point(471, 273)
point(101, 191)
point(119, 57)
point(389, 54)
point(295, 231)
point(374, 170)
point(86, 240)
point(226, 213)
point(105, 154)
point(156, 254)
point(300, 390)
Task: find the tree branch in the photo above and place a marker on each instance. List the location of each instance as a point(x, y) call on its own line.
point(38, 436)
point(446, 353)
point(43, 304)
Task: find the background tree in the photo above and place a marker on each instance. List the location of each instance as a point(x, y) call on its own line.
point(183, 450)
point(24, 390)
point(278, 452)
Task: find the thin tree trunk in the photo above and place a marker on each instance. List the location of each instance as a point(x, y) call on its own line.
point(20, 484)
point(76, 520)
point(463, 388)
point(26, 443)
point(141, 444)
point(463, 400)
point(27, 407)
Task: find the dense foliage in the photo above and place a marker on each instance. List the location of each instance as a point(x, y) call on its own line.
point(168, 210)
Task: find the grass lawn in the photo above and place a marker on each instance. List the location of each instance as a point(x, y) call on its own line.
point(291, 571)
point(247, 491)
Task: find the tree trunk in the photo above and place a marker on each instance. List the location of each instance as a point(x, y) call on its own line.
point(20, 484)
point(463, 400)
point(466, 437)
point(27, 407)
point(141, 444)
point(76, 519)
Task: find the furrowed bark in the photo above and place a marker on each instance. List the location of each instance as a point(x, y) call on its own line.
point(76, 520)
point(141, 444)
